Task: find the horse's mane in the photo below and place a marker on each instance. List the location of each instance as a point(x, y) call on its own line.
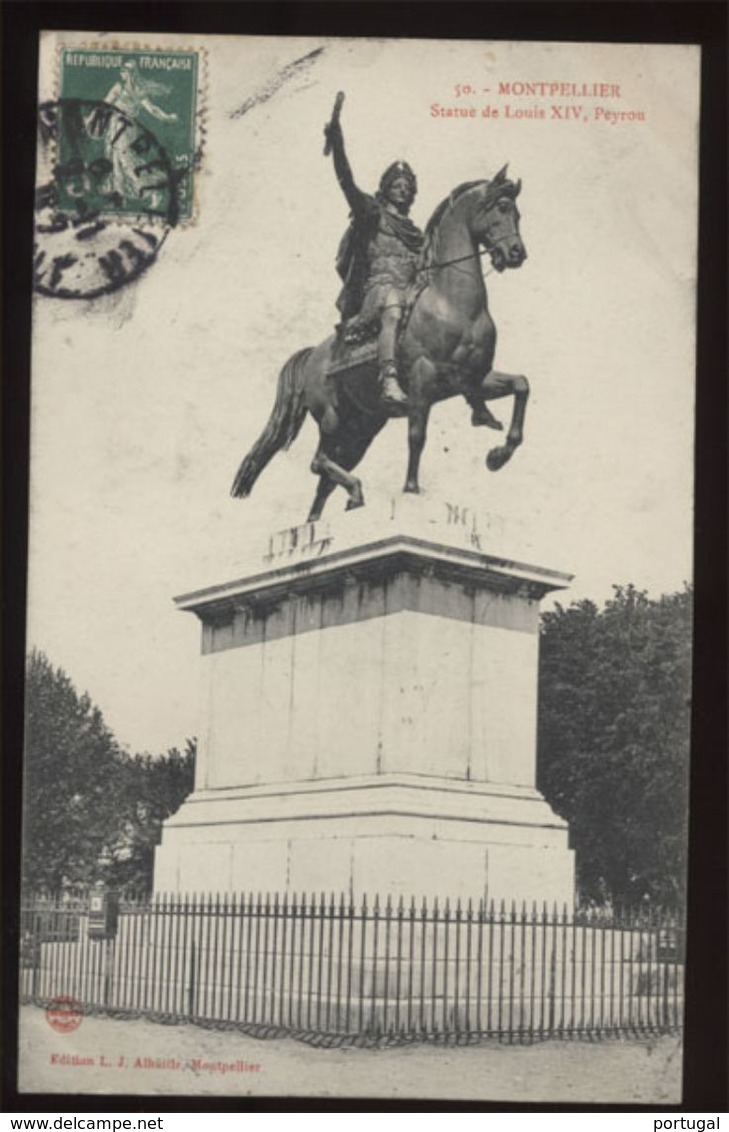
point(501, 187)
point(452, 197)
point(432, 226)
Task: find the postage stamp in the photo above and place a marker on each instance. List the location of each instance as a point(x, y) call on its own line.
point(136, 140)
point(117, 154)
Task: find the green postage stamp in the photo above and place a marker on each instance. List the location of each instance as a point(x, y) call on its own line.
point(128, 144)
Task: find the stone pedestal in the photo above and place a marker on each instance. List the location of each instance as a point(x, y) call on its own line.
point(369, 718)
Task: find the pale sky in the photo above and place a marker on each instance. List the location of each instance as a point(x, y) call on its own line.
point(145, 402)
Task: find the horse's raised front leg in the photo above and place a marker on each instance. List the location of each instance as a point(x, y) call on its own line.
point(497, 385)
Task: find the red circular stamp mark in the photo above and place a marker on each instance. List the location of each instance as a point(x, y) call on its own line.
point(64, 1014)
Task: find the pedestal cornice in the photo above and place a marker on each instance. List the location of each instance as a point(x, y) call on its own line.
point(371, 561)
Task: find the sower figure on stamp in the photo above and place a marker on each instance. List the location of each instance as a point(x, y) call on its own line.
point(378, 256)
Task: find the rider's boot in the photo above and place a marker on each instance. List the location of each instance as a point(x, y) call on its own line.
point(392, 394)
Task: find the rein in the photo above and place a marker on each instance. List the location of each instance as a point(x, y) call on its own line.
point(448, 262)
point(421, 287)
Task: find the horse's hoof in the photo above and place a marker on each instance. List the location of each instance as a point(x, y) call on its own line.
point(497, 457)
point(353, 504)
point(411, 489)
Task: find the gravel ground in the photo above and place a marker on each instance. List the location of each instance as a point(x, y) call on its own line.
point(140, 1058)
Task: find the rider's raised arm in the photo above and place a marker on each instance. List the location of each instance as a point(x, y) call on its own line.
point(356, 199)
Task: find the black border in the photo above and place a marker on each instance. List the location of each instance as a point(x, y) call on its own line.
point(706, 1088)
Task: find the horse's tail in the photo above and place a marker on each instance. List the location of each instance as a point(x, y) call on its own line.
point(287, 417)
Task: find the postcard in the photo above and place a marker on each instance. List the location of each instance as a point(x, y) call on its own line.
point(360, 568)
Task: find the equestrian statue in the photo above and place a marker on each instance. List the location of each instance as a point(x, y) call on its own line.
point(415, 328)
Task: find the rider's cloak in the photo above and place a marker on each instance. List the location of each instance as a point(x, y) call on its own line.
point(373, 229)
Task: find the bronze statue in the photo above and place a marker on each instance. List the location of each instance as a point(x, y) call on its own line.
point(378, 256)
point(436, 299)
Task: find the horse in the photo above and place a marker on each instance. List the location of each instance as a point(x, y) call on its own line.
point(446, 348)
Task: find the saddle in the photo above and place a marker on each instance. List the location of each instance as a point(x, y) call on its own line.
point(355, 349)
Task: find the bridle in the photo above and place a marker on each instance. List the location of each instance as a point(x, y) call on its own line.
point(437, 265)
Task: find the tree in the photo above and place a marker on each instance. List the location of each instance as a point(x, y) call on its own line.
point(91, 810)
point(74, 775)
point(613, 740)
point(156, 788)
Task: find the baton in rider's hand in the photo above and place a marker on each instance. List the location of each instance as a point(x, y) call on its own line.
point(333, 123)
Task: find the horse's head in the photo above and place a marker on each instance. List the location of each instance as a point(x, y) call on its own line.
point(495, 221)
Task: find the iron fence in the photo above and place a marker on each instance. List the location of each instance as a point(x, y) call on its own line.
point(332, 971)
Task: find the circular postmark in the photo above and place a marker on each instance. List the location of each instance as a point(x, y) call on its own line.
point(64, 1014)
point(107, 197)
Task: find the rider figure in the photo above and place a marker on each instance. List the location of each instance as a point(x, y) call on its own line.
point(378, 255)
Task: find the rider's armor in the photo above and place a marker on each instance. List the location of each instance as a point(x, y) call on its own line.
point(377, 261)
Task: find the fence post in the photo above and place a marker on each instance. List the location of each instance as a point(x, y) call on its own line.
point(552, 966)
point(109, 945)
point(193, 961)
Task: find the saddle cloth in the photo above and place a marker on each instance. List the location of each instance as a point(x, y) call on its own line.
point(352, 355)
point(356, 377)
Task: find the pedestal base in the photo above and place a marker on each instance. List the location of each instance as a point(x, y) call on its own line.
point(391, 835)
point(369, 718)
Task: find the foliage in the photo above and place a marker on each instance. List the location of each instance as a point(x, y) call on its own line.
point(90, 809)
point(613, 743)
point(157, 787)
point(73, 777)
